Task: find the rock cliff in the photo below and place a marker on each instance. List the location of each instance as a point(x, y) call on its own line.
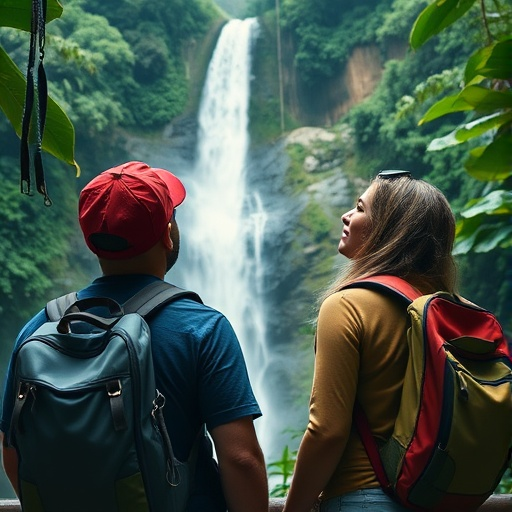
point(355, 81)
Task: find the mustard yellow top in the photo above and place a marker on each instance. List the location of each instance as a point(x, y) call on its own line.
point(361, 351)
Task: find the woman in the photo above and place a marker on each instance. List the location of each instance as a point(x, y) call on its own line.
point(399, 226)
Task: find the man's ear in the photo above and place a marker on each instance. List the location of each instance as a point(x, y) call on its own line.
point(166, 239)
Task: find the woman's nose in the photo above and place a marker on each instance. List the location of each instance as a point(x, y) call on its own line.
point(345, 218)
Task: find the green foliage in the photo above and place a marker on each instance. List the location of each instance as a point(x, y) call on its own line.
point(282, 468)
point(96, 112)
point(477, 230)
point(178, 20)
point(71, 53)
point(258, 7)
point(152, 57)
point(265, 108)
point(505, 486)
point(143, 76)
point(398, 20)
point(316, 222)
point(320, 31)
point(156, 104)
point(296, 177)
point(59, 135)
point(35, 245)
point(380, 134)
point(16, 13)
point(487, 95)
point(434, 85)
point(435, 18)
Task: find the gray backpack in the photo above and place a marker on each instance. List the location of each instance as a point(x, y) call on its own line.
point(87, 423)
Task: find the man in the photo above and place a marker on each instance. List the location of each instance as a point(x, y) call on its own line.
point(127, 215)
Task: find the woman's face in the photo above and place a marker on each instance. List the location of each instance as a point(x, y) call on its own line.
point(355, 225)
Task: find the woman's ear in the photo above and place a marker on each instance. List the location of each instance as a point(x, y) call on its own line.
point(167, 240)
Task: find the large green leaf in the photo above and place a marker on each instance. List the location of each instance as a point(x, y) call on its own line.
point(470, 130)
point(497, 202)
point(484, 99)
point(491, 62)
point(18, 13)
point(494, 236)
point(447, 105)
point(466, 233)
point(473, 97)
point(436, 17)
point(482, 125)
point(492, 162)
point(474, 235)
point(59, 134)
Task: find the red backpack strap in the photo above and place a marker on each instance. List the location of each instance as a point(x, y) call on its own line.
point(387, 282)
point(408, 293)
point(372, 448)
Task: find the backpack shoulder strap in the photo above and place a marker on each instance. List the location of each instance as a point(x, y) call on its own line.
point(143, 302)
point(406, 293)
point(56, 307)
point(388, 283)
point(155, 295)
point(372, 448)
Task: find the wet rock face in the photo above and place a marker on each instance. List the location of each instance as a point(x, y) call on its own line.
point(291, 251)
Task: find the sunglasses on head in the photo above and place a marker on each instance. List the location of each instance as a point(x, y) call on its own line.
point(390, 174)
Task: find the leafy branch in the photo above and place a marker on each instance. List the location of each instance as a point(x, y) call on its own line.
point(486, 97)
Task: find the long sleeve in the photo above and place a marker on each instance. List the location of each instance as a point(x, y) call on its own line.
point(360, 354)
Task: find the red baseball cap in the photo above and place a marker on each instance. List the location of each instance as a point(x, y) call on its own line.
point(124, 211)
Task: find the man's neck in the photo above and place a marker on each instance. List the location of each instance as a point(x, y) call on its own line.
point(143, 264)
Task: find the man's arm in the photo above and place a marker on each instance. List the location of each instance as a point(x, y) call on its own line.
point(10, 462)
point(242, 466)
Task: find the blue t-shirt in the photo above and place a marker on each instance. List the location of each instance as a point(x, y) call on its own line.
point(199, 368)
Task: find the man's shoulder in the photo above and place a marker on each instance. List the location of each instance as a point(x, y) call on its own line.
point(187, 315)
point(31, 326)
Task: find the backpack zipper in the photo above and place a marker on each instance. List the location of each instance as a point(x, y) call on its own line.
point(56, 346)
point(460, 372)
point(136, 405)
point(112, 387)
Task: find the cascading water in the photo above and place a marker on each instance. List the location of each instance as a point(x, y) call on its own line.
point(223, 240)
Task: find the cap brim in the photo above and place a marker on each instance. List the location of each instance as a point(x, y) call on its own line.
point(175, 186)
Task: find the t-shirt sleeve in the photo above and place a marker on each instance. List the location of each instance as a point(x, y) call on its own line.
point(224, 389)
point(8, 389)
point(337, 363)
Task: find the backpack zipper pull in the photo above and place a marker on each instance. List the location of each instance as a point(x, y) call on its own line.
point(461, 381)
point(463, 388)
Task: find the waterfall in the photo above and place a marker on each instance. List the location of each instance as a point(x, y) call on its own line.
point(224, 237)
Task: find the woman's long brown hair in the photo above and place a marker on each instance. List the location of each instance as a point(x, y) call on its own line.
point(410, 235)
